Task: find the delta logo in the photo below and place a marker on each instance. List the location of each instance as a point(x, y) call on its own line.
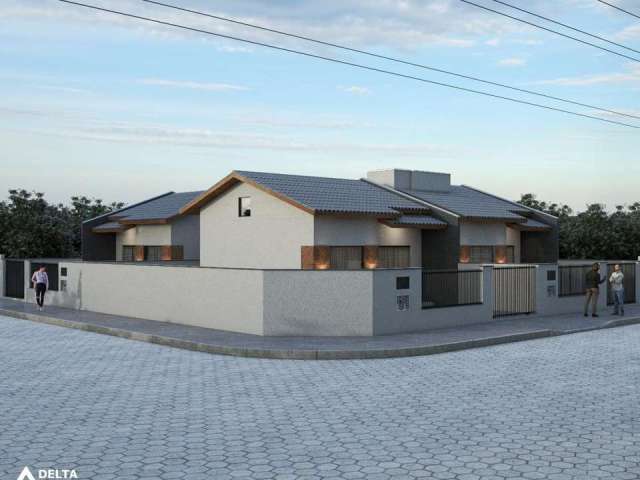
point(48, 474)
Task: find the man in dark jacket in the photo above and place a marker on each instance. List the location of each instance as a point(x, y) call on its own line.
point(593, 282)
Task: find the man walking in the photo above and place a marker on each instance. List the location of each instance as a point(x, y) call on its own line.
point(617, 288)
point(593, 282)
point(40, 281)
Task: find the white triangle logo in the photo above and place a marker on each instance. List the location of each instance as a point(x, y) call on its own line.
point(26, 474)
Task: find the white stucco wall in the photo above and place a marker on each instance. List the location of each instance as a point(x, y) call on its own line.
point(151, 235)
point(513, 238)
point(338, 231)
point(204, 297)
point(483, 233)
point(271, 237)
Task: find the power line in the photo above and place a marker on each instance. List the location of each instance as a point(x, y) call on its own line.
point(393, 59)
point(551, 30)
point(351, 64)
point(621, 9)
point(566, 26)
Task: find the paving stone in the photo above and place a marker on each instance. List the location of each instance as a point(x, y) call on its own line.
point(562, 408)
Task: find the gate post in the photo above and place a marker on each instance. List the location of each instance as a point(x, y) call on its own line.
point(638, 281)
point(487, 290)
point(2, 275)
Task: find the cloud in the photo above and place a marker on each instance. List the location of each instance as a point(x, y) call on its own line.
point(198, 137)
point(211, 87)
point(632, 76)
point(512, 62)
point(493, 42)
point(400, 24)
point(355, 90)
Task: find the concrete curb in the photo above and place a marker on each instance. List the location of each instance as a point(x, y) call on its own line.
point(309, 354)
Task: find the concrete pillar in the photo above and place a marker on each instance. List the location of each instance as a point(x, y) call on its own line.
point(487, 289)
point(2, 274)
point(637, 282)
point(29, 293)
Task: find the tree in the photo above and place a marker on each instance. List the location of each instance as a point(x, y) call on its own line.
point(31, 228)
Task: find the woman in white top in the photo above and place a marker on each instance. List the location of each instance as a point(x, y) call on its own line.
point(40, 281)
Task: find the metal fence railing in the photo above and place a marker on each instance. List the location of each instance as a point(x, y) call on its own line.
point(449, 288)
point(514, 290)
point(629, 271)
point(572, 279)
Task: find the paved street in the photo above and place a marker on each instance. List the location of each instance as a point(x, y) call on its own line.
point(556, 408)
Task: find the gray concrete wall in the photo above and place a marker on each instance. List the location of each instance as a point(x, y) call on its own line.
point(185, 231)
point(387, 319)
point(441, 248)
point(549, 303)
point(322, 303)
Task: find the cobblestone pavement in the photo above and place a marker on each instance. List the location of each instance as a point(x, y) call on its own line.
point(557, 408)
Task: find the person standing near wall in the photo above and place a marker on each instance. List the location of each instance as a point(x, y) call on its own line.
point(593, 282)
point(40, 281)
point(617, 288)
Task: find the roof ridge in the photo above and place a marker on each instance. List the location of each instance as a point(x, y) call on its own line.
point(128, 207)
point(241, 172)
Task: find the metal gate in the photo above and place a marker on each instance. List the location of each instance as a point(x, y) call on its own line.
point(514, 290)
point(629, 271)
point(14, 278)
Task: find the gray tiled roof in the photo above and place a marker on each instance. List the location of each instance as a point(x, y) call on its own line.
point(418, 220)
point(109, 226)
point(335, 195)
point(162, 208)
point(467, 202)
point(533, 224)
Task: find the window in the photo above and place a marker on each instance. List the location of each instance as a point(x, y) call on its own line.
point(153, 254)
point(488, 254)
point(128, 254)
point(244, 207)
point(482, 254)
point(393, 257)
point(346, 258)
point(511, 254)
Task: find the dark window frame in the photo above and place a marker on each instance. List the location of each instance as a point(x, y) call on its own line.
point(127, 248)
point(244, 211)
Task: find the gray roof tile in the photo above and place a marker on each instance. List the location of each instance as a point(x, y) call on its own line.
point(335, 195)
point(467, 202)
point(161, 208)
point(418, 220)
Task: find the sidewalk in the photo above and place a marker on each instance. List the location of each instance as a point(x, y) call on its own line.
point(317, 348)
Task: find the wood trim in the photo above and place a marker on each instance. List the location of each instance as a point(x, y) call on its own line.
point(120, 229)
point(147, 221)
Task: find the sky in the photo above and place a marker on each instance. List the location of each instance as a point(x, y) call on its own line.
point(115, 108)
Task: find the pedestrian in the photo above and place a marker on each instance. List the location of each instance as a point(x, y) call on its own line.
point(40, 281)
point(617, 288)
point(593, 281)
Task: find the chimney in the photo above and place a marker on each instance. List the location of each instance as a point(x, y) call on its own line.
point(411, 179)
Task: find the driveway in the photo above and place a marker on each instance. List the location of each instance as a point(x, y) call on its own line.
point(555, 408)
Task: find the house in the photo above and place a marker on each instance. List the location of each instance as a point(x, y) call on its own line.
point(152, 230)
point(391, 219)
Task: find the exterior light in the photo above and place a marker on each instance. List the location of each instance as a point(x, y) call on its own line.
point(322, 266)
point(371, 265)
